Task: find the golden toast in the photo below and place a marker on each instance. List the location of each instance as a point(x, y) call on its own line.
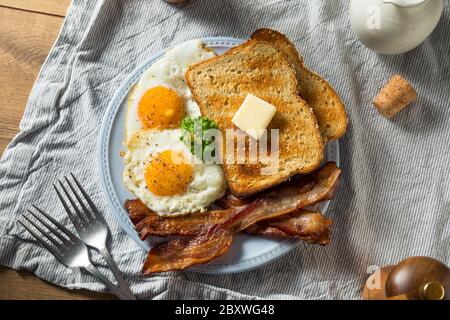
point(321, 97)
point(220, 85)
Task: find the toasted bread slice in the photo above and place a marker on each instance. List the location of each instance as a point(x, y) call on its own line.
point(317, 92)
point(220, 85)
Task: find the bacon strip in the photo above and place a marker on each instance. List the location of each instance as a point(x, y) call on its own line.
point(149, 223)
point(311, 227)
point(308, 226)
point(214, 240)
point(231, 201)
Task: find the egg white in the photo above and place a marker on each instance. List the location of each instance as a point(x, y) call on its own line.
point(208, 183)
point(169, 71)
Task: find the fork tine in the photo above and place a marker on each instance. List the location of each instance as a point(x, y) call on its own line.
point(45, 234)
point(71, 200)
point(85, 209)
point(48, 226)
point(76, 222)
point(86, 196)
point(45, 244)
point(66, 231)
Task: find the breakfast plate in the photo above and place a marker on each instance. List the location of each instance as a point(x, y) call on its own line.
point(247, 252)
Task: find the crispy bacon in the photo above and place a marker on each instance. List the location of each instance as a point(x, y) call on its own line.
point(149, 223)
point(308, 226)
point(231, 201)
point(311, 227)
point(214, 239)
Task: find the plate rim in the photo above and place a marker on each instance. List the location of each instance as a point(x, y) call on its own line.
point(111, 196)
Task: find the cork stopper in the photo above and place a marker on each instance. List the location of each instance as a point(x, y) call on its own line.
point(394, 96)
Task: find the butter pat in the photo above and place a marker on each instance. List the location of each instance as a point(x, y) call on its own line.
point(254, 116)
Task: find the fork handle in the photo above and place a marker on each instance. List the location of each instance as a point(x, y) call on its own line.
point(115, 270)
point(111, 286)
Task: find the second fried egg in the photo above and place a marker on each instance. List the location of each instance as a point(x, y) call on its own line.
point(161, 171)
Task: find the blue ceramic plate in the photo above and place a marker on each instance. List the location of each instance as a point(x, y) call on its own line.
point(246, 252)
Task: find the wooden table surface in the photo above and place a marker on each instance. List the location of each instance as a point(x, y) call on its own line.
point(28, 29)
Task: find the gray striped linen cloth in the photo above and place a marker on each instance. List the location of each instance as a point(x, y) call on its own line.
point(394, 199)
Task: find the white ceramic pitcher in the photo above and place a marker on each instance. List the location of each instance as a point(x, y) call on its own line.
point(394, 26)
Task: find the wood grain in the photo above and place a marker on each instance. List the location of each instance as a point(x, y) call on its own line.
point(51, 7)
point(415, 278)
point(21, 285)
point(377, 293)
point(25, 40)
point(28, 29)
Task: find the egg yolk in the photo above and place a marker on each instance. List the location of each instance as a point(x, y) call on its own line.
point(161, 107)
point(168, 174)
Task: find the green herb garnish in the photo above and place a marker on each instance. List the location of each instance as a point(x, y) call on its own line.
point(194, 131)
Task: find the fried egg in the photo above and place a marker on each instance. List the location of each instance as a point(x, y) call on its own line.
point(159, 168)
point(162, 98)
point(161, 171)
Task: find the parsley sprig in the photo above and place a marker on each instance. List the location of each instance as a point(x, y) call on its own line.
point(194, 132)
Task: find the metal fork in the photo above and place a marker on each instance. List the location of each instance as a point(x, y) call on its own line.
point(89, 224)
point(65, 246)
